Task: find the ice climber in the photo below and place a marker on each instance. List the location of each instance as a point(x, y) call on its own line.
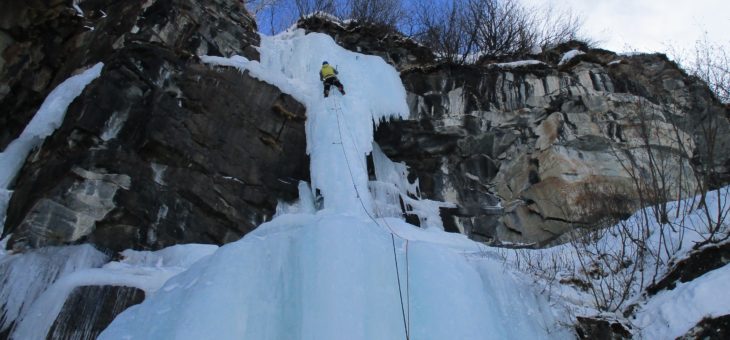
point(328, 75)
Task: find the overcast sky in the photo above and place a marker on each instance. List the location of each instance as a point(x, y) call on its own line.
point(651, 25)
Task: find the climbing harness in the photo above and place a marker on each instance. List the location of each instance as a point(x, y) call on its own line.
point(406, 319)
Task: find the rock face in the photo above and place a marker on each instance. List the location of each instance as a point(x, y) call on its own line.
point(161, 149)
point(43, 42)
point(528, 151)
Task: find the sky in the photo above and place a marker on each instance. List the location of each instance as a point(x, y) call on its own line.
point(665, 26)
point(650, 25)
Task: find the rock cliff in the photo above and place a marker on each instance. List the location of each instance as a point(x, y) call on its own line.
point(529, 150)
point(161, 149)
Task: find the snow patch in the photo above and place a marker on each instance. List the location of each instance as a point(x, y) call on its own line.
point(666, 315)
point(158, 171)
point(236, 61)
point(518, 64)
point(114, 125)
point(78, 10)
point(567, 56)
point(670, 314)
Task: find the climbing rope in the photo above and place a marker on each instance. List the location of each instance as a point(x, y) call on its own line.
point(408, 290)
point(406, 320)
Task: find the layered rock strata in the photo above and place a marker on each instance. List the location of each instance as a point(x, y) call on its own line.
point(529, 150)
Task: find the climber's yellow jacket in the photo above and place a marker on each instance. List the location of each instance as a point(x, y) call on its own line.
point(327, 71)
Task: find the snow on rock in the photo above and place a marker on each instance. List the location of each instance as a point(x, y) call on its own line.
point(569, 55)
point(670, 314)
point(236, 61)
point(48, 118)
point(327, 17)
point(79, 11)
point(518, 64)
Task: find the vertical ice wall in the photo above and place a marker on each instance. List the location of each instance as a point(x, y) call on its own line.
point(339, 128)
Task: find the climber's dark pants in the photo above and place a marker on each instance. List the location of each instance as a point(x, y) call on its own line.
point(332, 81)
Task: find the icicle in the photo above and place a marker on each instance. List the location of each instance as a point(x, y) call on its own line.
point(306, 198)
point(392, 187)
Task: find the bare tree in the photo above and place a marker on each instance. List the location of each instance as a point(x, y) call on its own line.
point(716, 219)
point(386, 12)
point(442, 29)
point(462, 29)
point(255, 7)
point(305, 7)
point(553, 27)
point(502, 27)
point(268, 12)
point(712, 64)
point(457, 30)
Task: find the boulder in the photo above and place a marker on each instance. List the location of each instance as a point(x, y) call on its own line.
point(597, 328)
